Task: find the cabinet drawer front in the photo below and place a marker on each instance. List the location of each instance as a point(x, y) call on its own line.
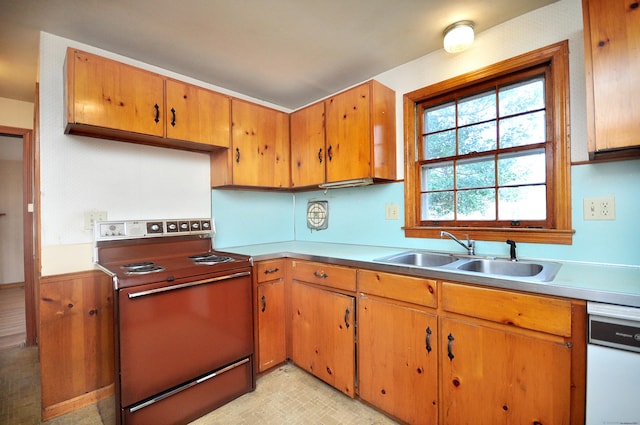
point(270, 270)
point(398, 287)
point(324, 274)
point(545, 314)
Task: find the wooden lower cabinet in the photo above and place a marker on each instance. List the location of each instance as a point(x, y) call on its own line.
point(270, 314)
point(495, 376)
point(397, 360)
point(322, 335)
point(271, 325)
point(75, 340)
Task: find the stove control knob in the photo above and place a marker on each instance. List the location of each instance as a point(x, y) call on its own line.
point(172, 227)
point(155, 227)
point(195, 225)
point(184, 226)
point(205, 225)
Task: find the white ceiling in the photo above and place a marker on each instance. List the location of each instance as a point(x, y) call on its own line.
point(287, 52)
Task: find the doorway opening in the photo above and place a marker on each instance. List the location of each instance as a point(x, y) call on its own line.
point(17, 246)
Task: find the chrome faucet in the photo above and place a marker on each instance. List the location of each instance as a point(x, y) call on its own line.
point(470, 246)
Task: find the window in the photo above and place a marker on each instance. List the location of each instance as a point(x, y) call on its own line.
point(488, 152)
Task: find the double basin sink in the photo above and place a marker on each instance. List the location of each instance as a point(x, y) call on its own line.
point(540, 271)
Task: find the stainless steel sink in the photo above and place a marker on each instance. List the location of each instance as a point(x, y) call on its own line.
point(542, 270)
point(419, 259)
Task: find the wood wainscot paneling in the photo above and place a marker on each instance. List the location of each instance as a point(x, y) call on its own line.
point(76, 341)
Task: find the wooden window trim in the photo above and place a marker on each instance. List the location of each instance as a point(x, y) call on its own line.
point(560, 188)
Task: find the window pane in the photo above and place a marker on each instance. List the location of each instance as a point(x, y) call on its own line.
point(477, 138)
point(437, 206)
point(522, 168)
point(523, 130)
point(439, 118)
point(521, 97)
point(477, 204)
point(440, 145)
point(479, 172)
point(522, 203)
point(481, 107)
point(437, 176)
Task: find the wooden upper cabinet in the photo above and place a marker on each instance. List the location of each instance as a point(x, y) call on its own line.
point(113, 100)
point(307, 146)
point(112, 95)
point(361, 133)
point(612, 43)
point(197, 114)
point(259, 155)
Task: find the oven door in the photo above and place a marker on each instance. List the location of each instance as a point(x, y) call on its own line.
point(171, 332)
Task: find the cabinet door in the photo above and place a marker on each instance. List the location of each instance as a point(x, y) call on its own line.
point(271, 325)
point(397, 360)
point(491, 376)
point(197, 115)
point(260, 146)
point(307, 146)
point(612, 42)
point(348, 134)
point(322, 335)
point(108, 94)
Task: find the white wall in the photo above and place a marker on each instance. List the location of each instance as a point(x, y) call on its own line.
point(548, 25)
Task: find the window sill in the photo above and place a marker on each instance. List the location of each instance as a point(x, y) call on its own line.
point(560, 237)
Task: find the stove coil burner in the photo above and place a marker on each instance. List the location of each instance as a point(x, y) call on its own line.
point(144, 267)
point(210, 259)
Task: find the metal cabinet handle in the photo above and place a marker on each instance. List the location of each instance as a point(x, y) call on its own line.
point(264, 303)
point(320, 275)
point(173, 117)
point(346, 318)
point(320, 155)
point(428, 339)
point(185, 285)
point(186, 386)
point(237, 154)
point(157, 108)
point(330, 152)
point(450, 347)
point(269, 271)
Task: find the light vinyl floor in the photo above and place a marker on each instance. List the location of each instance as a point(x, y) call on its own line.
point(287, 395)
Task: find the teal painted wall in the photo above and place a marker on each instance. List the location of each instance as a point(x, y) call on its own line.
point(357, 216)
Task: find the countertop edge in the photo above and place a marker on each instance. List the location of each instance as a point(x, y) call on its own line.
point(566, 288)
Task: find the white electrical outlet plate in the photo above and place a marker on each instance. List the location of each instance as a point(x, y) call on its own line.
point(91, 217)
point(600, 208)
point(392, 212)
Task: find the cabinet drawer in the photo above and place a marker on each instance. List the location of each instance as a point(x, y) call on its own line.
point(324, 274)
point(398, 287)
point(545, 314)
point(270, 270)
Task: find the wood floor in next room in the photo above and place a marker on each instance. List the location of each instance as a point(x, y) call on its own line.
point(12, 317)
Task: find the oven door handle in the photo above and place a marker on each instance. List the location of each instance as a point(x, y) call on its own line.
point(186, 285)
point(186, 386)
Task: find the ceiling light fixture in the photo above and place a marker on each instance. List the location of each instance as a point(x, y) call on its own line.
point(458, 36)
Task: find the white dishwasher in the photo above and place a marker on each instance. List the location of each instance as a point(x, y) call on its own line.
point(613, 365)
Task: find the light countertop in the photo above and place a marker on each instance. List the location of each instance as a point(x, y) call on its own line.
point(586, 281)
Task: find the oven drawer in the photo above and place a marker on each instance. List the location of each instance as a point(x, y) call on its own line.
point(201, 396)
point(170, 333)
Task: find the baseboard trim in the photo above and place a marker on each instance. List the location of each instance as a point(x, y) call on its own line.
point(77, 402)
point(12, 285)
